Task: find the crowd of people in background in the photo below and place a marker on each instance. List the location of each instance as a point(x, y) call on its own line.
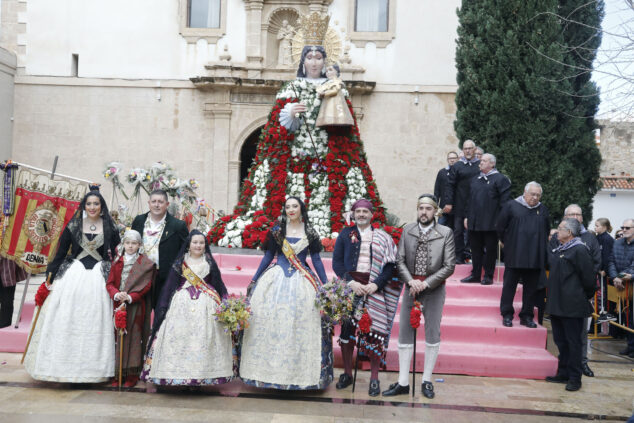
point(560, 269)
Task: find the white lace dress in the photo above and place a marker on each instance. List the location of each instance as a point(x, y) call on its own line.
point(191, 347)
point(73, 340)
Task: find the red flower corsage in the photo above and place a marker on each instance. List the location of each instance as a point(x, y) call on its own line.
point(365, 322)
point(120, 319)
point(414, 315)
point(41, 294)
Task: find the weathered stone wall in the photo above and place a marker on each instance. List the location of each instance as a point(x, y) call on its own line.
point(617, 148)
point(89, 123)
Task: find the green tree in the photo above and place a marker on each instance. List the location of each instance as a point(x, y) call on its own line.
point(516, 99)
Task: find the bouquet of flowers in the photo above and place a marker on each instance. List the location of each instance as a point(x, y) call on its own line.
point(334, 301)
point(234, 312)
point(111, 173)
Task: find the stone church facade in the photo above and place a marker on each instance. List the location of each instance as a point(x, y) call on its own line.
point(191, 82)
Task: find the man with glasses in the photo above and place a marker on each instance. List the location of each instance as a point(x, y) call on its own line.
point(620, 270)
point(573, 211)
point(523, 227)
point(458, 191)
point(440, 189)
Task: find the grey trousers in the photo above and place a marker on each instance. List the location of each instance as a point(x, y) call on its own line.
point(584, 341)
point(433, 302)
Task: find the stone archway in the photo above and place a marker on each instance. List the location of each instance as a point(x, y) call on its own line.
point(247, 152)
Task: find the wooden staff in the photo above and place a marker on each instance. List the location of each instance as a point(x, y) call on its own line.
point(37, 315)
point(414, 367)
point(120, 356)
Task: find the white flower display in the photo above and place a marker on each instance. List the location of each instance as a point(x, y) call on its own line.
point(260, 178)
point(295, 186)
point(319, 206)
point(356, 187)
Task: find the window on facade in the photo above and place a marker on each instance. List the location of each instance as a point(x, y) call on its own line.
point(204, 14)
point(371, 15)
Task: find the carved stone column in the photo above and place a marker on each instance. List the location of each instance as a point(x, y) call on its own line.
point(234, 183)
point(254, 42)
point(217, 156)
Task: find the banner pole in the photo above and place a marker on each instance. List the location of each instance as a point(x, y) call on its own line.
point(26, 288)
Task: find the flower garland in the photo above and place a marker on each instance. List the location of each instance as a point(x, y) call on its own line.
point(414, 315)
point(41, 294)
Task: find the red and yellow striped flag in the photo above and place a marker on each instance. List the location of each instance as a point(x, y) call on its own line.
point(42, 210)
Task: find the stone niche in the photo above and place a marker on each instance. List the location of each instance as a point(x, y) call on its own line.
point(274, 34)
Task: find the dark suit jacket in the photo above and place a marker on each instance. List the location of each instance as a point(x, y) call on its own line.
point(594, 249)
point(440, 187)
point(174, 235)
point(346, 255)
point(488, 195)
point(524, 233)
point(459, 185)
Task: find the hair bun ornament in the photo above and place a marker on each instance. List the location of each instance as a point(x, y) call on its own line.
point(94, 187)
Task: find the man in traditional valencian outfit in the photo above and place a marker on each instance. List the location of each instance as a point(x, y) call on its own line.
point(163, 237)
point(366, 257)
point(426, 258)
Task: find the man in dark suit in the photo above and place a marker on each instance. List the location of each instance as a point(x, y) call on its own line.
point(489, 192)
point(440, 189)
point(458, 187)
point(523, 227)
point(163, 237)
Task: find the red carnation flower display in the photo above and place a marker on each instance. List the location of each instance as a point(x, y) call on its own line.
point(41, 294)
point(365, 322)
point(414, 315)
point(120, 319)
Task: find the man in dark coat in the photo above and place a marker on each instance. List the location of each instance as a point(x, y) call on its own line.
point(573, 211)
point(621, 270)
point(458, 187)
point(163, 237)
point(440, 189)
point(523, 227)
point(489, 192)
point(363, 251)
point(571, 283)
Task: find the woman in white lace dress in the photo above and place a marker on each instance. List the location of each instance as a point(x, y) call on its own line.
point(188, 346)
point(73, 340)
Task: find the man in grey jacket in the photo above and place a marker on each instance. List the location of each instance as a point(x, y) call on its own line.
point(426, 258)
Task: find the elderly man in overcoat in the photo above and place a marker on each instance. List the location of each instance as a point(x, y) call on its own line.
point(523, 227)
point(426, 258)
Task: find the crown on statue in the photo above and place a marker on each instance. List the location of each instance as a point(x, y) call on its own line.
point(314, 27)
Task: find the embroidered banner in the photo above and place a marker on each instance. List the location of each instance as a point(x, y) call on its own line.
point(42, 208)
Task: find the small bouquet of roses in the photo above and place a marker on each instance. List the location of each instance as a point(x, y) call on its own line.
point(234, 312)
point(334, 301)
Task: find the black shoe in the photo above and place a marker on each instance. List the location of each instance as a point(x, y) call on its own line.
point(470, 279)
point(428, 390)
point(606, 317)
point(573, 385)
point(507, 321)
point(626, 351)
point(396, 389)
point(528, 323)
point(345, 380)
point(587, 371)
point(557, 379)
point(486, 281)
point(375, 388)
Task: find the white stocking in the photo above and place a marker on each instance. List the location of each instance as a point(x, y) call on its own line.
point(405, 352)
point(431, 354)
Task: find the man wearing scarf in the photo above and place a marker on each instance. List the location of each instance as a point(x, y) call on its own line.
point(366, 254)
point(523, 227)
point(426, 258)
point(440, 189)
point(489, 192)
point(573, 211)
point(571, 283)
point(458, 188)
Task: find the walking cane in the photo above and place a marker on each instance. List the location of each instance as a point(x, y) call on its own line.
point(414, 367)
point(356, 362)
point(120, 356)
point(37, 315)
